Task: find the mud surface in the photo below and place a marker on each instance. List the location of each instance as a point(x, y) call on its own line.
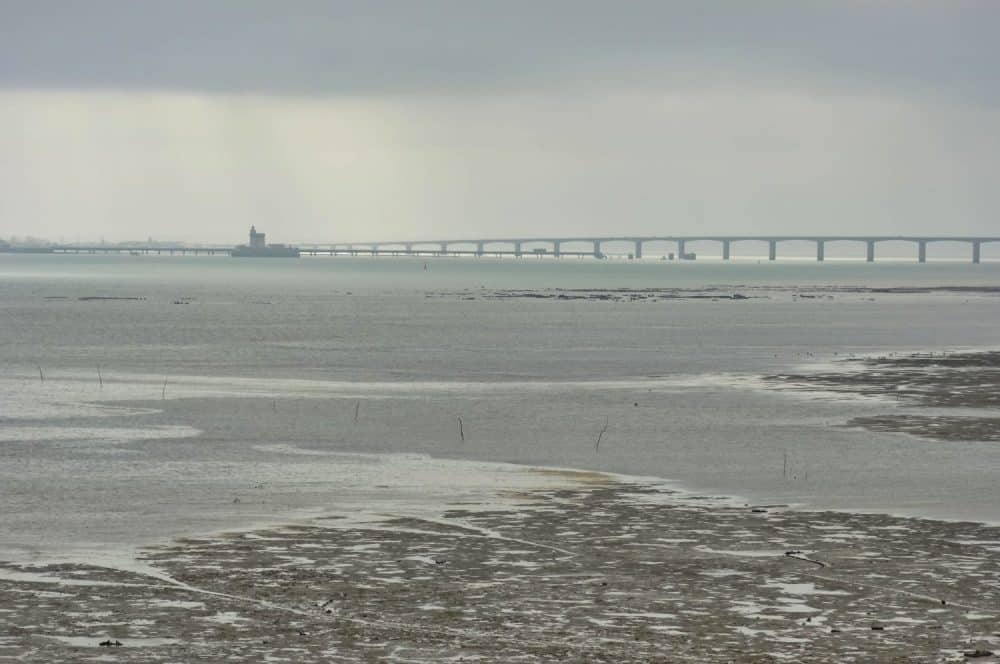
point(942, 380)
point(939, 427)
point(737, 292)
point(606, 294)
point(604, 572)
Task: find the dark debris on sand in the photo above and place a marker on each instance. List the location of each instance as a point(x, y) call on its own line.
point(605, 573)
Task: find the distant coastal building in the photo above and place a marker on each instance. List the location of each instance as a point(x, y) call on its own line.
point(257, 240)
point(259, 248)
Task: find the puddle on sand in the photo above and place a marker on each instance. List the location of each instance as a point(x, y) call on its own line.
point(94, 641)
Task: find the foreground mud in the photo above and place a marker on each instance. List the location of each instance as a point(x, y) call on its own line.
point(603, 572)
point(932, 380)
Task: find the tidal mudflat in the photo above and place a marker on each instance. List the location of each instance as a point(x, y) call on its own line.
point(603, 569)
point(716, 293)
point(374, 411)
point(967, 382)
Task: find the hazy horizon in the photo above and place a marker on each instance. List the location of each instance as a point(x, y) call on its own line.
point(381, 120)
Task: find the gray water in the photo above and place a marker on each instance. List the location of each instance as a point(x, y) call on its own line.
point(239, 406)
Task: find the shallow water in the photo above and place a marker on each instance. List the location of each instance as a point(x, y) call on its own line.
point(240, 391)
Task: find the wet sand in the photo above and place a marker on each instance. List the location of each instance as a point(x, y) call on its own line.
point(601, 570)
point(966, 380)
point(737, 292)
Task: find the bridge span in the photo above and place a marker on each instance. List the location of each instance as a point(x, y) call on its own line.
point(556, 246)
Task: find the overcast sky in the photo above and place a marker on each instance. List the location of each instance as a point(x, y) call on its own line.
point(323, 121)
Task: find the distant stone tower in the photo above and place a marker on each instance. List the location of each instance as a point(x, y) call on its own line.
point(257, 239)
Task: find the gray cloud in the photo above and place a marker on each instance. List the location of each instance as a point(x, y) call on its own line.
point(377, 119)
point(942, 49)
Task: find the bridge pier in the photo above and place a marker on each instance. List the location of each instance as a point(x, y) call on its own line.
point(772, 249)
point(975, 251)
point(517, 249)
point(409, 247)
point(479, 249)
point(870, 257)
point(638, 248)
point(922, 251)
point(557, 248)
point(597, 249)
point(444, 248)
point(681, 251)
point(820, 250)
point(725, 250)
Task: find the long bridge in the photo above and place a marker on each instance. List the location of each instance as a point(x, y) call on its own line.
point(557, 247)
point(593, 246)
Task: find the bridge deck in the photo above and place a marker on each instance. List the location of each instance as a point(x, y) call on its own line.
point(528, 246)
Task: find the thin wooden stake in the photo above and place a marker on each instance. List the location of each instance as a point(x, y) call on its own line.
point(461, 430)
point(600, 435)
point(41, 376)
point(163, 393)
point(100, 379)
point(357, 405)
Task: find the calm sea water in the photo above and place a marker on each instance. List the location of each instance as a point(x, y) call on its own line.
point(240, 391)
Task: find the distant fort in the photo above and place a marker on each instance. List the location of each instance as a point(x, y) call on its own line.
point(259, 248)
point(518, 247)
